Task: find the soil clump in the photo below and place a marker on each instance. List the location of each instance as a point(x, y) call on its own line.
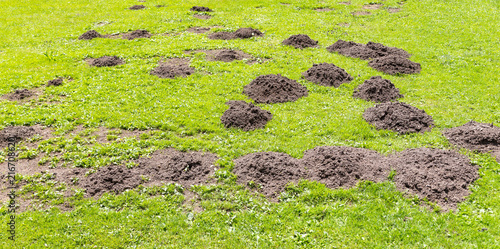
point(327, 74)
point(105, 61)
point(201, 9)
point(398, 117)
point(377, 89)
point(245, 116)
point(55, 82)
point(19, 94)
point(242, 33)
point(300, 41)
point(115, 178)
point(173, 68)
point(89, 35)
point(137, 7)
point(371, 50)
point(481, 137)
point(140, 33)
point(15, 134)
point(394, 64)
point(274, 88)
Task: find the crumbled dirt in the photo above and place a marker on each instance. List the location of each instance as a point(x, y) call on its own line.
point(137, 7)
point(372, 6)
point(398, 117)
point(274, 88)
point(369, 51)
point(16, 134)
point(245, 116)
point(229, 55)
point(201, 9)
point(202, 17)
point(242, 33)
point(105, 61)
point(361, 13)
point(198, 30)
point(19, 94)
point(270, 171)
point(327, 74)
point(89, 35)
point(338, 166)
point(140, 33)
point(175, 67)
point(475, 136)
point(300, 41)
point(394, 64)
point(440, 175)
point(115, 178)
point(378, 90)
point(323, 9)
point(55, 82)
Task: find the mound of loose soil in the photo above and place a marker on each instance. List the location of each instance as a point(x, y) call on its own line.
point(327, 74)
point(175, 67)
point(20, 94)
point(245, 116)
point(300, 41)
point(274, 88)
point(221, 36)
point(228, 55)
point(398, 117)
point(394, 64)
point(441, 176)
point(269, 170)
point(105, 61)
point(378, 90)
point(15, 134)
point(137, 7)
point(140, 33)
point(344, 166)
point(200, 9)
point(55, 82)
point(242, 33)
point(369, 51)
point(114, 178)
point(476, 136)
point(89, 35)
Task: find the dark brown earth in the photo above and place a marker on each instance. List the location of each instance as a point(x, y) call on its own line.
point(200, 9)
point(172, 68)
point(245, 116)
point(89, 35)
point(140, 33)
point(19, 94)
point(115, 178)
point(203, 17)
point(55, 82)
point(105, 61)
point(229, 55)
point(398, 117)
point(394, 64)
point(274, 88)
point(242, 33)
point(327, 74)
point(270, 171)
point(378, 90)
point(17, 133)
point(369, 51)
point(300, 41)
point(475, 136)
point(137, 7)
point(439, 175)
point(337, 166)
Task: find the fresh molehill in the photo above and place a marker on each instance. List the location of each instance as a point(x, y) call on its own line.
point(19, 94)
point(245, 116)
point(89, 35)
point(274, 88)
point(394, 64)
point(327, 74)
point(140, 33)
point(242, 33)
point(371, 50)
point(15, 134)
point(398, 117)
point(269, 171)
point(300, 41)
point(476, 136)
point(115, 178)
point(55, 82)
point(344, 166)
point(172, 68)
point(105, 61)
point(377, 89)
point(439, 175)
point(229, 55)
point(137, 7)
point(200, 9)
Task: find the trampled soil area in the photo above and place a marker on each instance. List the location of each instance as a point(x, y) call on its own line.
point(19, 94)
point(201, 9)
point(171, 68)
point(225, 55)
point(300, 41)
point(137, 7)
point(89, 35)
point(55, 82)
point(198, 30)
point(398, 117)
point(242, 33)
point(327, 74)
point(115, 178)
point(202, 16)
point(245, 116)
point(394, 64)
point(274, 88)
point(15, 134)
point(140, 33)
point(371, 50)
point(441, 176)
point(377, 89)
point(475, 136)
point(105, 61)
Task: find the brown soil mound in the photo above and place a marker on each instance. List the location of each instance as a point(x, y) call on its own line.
point(175, 67)
point(300, 41)
point(441, 176)
point(228, 55)
point(114, 178)
point(106, 61)
point(274, 88)
point(140, 33)
point(89, 35)
point(327, 74)
point(245, 116)
point(394, 64)
point(242, 33)
point(345, 166)
point(269, 170)
point(20, 94)
point(476, 136)
point(371, 50)
point(378, 90)
point(137, 7)
point(398, 117)
point(55, 82)
point(200, 9)
point(17, 133)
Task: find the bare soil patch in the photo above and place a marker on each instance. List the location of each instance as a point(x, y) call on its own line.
point(300, 41)
point(55, 82)
point(482, 137)
point(171, 68)
point(115, 178)
point(105, 61)
point(369, 51)
point(198, 30)
point(241, 33)
point(16, 134)
point(245, 116)
point(398, 117)
point(274, 88)
point(89, 35)
point(203, 17)
point(394, 64)
point(377, 89)
point(201, 9)
point(327, 74)
point(137, 7)
point(140, 33)
point(20, 94)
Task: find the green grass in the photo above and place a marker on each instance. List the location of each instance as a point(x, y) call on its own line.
point(456, 42)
